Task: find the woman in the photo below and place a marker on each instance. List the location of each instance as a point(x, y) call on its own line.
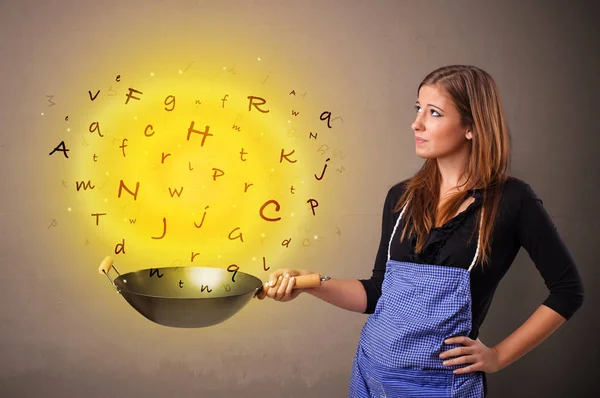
point(449, 235)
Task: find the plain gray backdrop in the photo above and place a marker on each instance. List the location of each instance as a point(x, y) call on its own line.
point(65, 333)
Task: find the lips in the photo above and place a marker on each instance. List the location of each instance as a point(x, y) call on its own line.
point(419, 139)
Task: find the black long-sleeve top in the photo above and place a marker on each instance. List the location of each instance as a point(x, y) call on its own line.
point(522, 221)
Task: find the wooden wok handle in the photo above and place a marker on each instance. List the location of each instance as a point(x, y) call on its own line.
point(106, 265)
point(304, 281)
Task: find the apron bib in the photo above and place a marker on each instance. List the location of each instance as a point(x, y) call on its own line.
point(421, 305)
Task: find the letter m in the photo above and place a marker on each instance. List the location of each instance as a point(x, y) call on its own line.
point(85, 185)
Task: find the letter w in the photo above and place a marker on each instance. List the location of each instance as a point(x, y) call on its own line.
point(174, 191)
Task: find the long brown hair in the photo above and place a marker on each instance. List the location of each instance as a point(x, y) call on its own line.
point(476, 97)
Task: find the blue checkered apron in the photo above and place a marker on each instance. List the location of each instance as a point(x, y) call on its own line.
point(421, 305)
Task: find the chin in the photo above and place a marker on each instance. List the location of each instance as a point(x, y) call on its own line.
point(424, 155)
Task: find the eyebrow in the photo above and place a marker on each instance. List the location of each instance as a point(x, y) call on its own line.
point(433, 106)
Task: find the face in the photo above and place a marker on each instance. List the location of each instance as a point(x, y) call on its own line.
point(438, 129)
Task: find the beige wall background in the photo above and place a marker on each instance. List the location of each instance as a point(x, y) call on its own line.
point(65, 333)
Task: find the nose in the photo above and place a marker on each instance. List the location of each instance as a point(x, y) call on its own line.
point(417, 125)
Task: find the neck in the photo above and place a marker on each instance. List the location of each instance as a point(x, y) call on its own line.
point(452, 170)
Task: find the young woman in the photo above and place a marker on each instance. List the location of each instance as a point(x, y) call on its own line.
point(449, 235)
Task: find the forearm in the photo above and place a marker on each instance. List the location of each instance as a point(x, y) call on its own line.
point(348, 294)
point(541, 324)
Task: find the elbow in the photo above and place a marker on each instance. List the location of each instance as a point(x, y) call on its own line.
point(372, 294)
point(578, 300)
point(567, 303)
point(578, 297)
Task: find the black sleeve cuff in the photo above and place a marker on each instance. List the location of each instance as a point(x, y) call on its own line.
point(565, 305)
point(373, 294)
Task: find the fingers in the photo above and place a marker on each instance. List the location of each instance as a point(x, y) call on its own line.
point(269, 288)
point(280, 285)
point(282, 288)
point(461, 360)
point(455, 352)
point(468, 369)
point(262, 293)
point(459, 340)
point(285, 287)
point(473, 353)
point(290, 287)
point(274, 277)
point(274, 287)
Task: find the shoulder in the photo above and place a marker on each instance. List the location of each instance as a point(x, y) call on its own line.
point(517, 191)
point(396, 191)
point(394, 194)
point(518, 203)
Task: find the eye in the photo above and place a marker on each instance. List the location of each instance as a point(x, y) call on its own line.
point(433, 111)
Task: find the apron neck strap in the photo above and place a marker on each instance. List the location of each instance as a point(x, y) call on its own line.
point(478, 238)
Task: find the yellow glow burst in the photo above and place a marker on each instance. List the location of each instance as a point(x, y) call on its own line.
point(198, 173)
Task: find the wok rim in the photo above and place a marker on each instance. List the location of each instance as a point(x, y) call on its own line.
point(121, 277)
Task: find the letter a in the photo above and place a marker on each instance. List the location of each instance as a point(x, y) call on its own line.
point(62, 148)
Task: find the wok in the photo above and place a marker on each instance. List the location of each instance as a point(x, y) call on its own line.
point(190, 297)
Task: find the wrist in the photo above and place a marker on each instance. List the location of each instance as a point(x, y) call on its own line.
point(501, 359)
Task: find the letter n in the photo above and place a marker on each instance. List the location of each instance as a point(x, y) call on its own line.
point(134, 194)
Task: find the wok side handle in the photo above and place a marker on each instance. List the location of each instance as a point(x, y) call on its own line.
point(105, 266)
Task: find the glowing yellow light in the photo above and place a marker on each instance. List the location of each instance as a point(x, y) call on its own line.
point(208, 194)
point(259, 59)
point(218, 256)
point(204, 276)
point(42, 113)
point(180, 71)
point(316, 237)
point(302, 182)
point(69, 209)
point(68, 129)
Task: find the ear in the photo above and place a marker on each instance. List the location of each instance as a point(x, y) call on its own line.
point(469, 134)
